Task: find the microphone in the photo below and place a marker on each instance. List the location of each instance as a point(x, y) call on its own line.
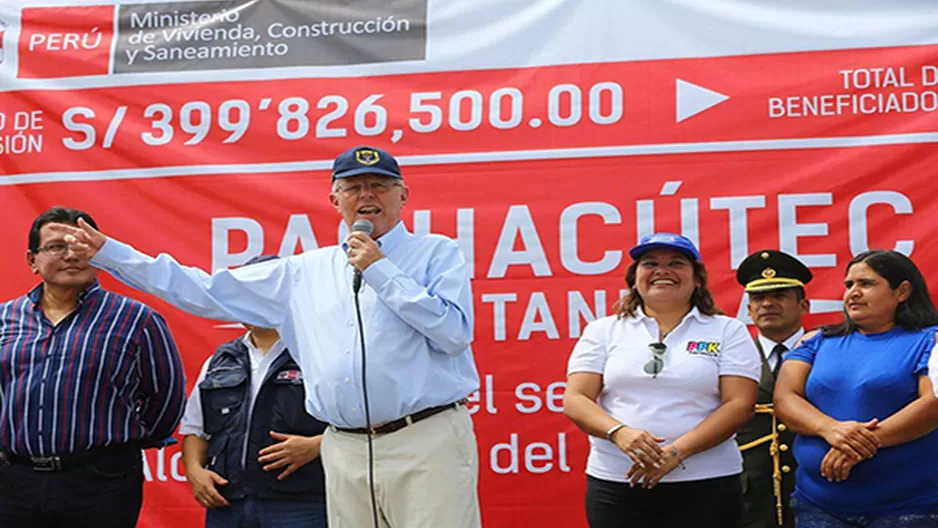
point(360, 226)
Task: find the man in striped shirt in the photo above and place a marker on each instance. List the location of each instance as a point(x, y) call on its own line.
point(87, 379)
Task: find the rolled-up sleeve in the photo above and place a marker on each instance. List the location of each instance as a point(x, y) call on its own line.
point(193, 423)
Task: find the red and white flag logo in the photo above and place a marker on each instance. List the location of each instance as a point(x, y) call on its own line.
point(65, 41)
point(3, 30)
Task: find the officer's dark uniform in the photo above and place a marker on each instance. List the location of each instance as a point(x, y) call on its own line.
point(765, 271)
point(279, 406)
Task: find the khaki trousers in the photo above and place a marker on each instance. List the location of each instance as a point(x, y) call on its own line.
point(426, 475)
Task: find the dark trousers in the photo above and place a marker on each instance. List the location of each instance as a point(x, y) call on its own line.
point(104, 493)
point(810, 516)
point(715, 503)
point(268, 513)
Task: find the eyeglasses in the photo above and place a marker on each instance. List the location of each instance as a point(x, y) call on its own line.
point(376, 187)
point(55, 249)
point(655, 365)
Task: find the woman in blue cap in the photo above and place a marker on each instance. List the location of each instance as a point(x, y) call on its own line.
point(858, 396)
point(661, 388)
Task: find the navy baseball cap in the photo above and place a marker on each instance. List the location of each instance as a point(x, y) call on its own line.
point(365, 160)
point(665, 241)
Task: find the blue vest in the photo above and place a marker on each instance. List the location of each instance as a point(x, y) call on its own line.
point(279, 407)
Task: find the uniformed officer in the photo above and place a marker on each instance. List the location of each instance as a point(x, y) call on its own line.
point(251, 451)
point(775, 283)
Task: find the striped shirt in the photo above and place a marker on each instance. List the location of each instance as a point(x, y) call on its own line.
point(107, 374)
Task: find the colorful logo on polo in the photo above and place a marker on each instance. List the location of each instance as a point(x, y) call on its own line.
point(706, 348)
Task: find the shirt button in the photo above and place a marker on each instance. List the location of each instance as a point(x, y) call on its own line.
point(350, 323)
point(354, 409)
point(347, 351)
point(348, 380)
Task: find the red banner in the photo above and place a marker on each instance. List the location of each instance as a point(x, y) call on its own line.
point(534, 230)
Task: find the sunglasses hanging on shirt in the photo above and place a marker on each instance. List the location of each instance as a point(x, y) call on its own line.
point(655, 365)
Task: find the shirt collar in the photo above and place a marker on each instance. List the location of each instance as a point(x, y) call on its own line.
point(275, 350)
point(392, 238)
point(35, 294)
point(694, 312)
point(768, 344)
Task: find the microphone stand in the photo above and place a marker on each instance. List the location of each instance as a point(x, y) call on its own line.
point(356, 287)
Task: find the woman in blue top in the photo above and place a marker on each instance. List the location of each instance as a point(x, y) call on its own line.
point(859, 398)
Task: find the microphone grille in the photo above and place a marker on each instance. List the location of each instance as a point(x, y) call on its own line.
point(363, 226)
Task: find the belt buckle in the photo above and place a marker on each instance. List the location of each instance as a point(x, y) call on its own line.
point(46, 463)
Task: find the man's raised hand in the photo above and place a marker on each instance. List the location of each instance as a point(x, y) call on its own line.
point(83, 239)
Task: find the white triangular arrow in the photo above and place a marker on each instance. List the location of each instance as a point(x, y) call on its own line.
point(693, 99)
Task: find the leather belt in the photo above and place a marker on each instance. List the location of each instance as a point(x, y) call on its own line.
point(400, 423)
point(56, 463)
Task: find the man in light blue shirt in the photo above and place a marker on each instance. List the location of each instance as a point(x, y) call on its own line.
point(416, 305)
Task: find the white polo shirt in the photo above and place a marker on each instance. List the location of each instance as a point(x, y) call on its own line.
point(700, 350)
